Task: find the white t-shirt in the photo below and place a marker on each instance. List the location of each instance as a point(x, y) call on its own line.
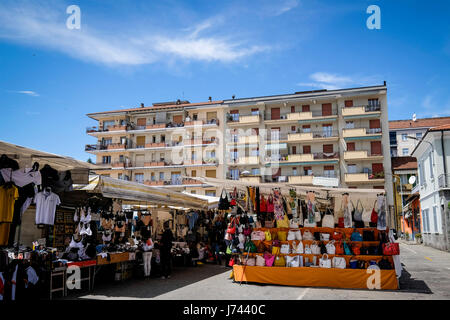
point(22, 177)
point(46, 203)
point(32, 276)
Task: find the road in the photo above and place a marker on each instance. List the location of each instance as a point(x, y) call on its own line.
point(426, 275)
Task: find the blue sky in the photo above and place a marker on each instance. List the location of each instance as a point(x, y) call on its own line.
point(128, 52)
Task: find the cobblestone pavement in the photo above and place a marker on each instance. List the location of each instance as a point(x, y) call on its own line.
point(426, 275)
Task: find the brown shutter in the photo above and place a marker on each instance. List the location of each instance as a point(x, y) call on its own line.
point(275, 113)
point(211, 173)
point(377, 167)
point(350, 146)
point(193, 173)
point(305, 108)
point(327, 148)
point(328, 168)
point(306, 149)
point(292, 109)
point(255, 131)
point(378, 187)
point(177, 119)
point(293, 128)
point(348, 103)
point(140, 141)
point(294, 150)
point(307, 126)
point(234, 111)
point(375, 147)
point(373, 124)
point(141, 122)
point(326, 109)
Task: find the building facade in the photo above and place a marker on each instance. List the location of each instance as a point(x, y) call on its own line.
point(323, 138)
point(433, 154)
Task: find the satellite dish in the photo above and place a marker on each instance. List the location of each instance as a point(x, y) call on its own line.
point(414, 118)
point(412, 180)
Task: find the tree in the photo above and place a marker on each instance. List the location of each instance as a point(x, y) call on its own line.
point(89, 160)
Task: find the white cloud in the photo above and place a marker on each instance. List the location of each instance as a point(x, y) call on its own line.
point(331, 81)
point(29, 93)
point(287, 6)
point(38, 27)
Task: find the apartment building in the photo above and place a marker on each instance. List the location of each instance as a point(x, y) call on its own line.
point(433, 155)
point(161, 145)
point(404, 135)
point(323, 138)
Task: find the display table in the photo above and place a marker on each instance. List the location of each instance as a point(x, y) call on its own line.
point(314, 277)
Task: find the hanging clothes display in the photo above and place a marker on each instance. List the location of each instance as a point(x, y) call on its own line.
point(278, 205)
point(348, 223)
point(381, 205)
point(311, 208)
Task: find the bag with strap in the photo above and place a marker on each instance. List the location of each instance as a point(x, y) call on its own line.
point(260, 261)
point(269, 258)
point(224, 204)
point(269, 204)
point(268, 235)
point(251, 262)
point(269, 224)
point(331, 248)
point(317, 215)
point(292, 261)
point(308, 249)
point(297, 247)
point(324, 261)
point(247, 231)
point(282, 235)
point(232, 226)
point(280, 261)
point(325, 237)
point(262, 205)
point(357, 214)
point(339, 248)
point(384, 264)
point(293, 224)
point(374, 215)
point(366, 216)
point(339, 263)
point(283, 223)
point(328, 221)
point(356, 248)
point(356, 236)
point(261, 247)
point(307, 235)
point(347, 250)
point(275, 250)
point(291, 235)
point(391, 249)
point(353, 263)
point(284, 249)
point(315, 249)
point(337, 235)
point(250, 246)
point(323, 249)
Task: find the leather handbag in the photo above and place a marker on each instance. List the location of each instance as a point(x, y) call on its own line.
point(224, 204)
point(255, 236)
point(324, 261)
point(356, 236)
point(353, 264)
point(269, 224)
point(347, 250)
point(309, 225)
point(262, 205)
point(339, 263)
point(251, 262)
point(268, 235)
point(247, 231)
point(338, 236)
point(260, 261)
point(283, 223)
point(391, 249)
point(297, 247)
point(261, 247)
point(317, 215)
point(291, 235)
point(374, 215)
point(339, 248)
point(307, 235)
point(357, 215)
point(325, 237)
point(292, 261)
point(328, 221)
point(284, 249)
point(280, 261)
point(276, 243)
point(384, 264)
point(341, 223)
point(282, 235)
point(308, 249)
point(293, 224)
point(368, 235)
point(298, 235)
point(331, 248)
point(356, 249)
point(250, 246)
point(269, 258)
point(315, 249)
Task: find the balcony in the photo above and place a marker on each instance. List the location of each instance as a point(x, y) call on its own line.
point(362, 111)
point(301, 180)
point(250, 179)
point(176, 182)
point(362, 155)
point(361, 133)
point(243, 120)
point(444, 181)
point(319, 157)
point(121, 164)
point(405, 188)
point(251, 160)
point(202, 122)
point(319, 136)
point(301, 117)
point(364, 177)
point(105, 147)
point(248, 139)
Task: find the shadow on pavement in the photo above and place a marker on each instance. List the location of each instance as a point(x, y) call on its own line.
point(409, 284)
point(153, 287)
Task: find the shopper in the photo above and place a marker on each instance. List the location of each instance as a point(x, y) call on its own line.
point(147, 256)
point(166, 246)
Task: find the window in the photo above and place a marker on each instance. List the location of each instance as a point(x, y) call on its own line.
point(255, 171)
point(306, 149)
point(431, 165)
point(121, 158)
point(193, 192)
point(349, 125)
point(106, 159)
point(234, 174)
point(255, 112)
point(435, 221)
point(294, 150)
point(161, 176)
point(119, 176)
point(405, 151)
point(107, 124)
point(373, 102)
point(352, 168)
point(306, 128)
point(348, 103)
point(292, 109)
point(294, 171)
point(421, 174)
point(419, 135)
point(326, 109)
point(152, 177)
point(426, 222)
point(305, 108)
point(293, 128)
point(139, 177)
point(327, 130)
point(254, 153)
point(307, 171)
point(210, 173)
point(327, 148)
point(210, 193)
point(193, 173)
point(328, 171)
point(404, 137)
point(234, 115)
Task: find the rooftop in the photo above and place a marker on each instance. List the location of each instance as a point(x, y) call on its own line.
point(419, 123)
point(404, 163)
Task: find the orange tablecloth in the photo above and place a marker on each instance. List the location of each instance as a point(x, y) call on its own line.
point(316, 277)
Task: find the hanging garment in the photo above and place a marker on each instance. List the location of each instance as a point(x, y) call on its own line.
point(278, 205)
point(348, 223)
point(381, 223)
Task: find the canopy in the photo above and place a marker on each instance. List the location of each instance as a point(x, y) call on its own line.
point(137, 192)
point(26, 157)
point(213, 202)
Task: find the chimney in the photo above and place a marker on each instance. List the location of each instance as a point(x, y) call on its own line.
point(210, 99)
point(142, 105)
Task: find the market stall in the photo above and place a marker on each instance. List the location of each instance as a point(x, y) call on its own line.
point(308, 236)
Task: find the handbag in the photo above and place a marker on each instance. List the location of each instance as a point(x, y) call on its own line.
point(247, 231)
point(339, 263)
point(232, 227)
point(261, 247)
point(280, 261)
point(384, 264)
point(309, 225)
point(251, 262)
point(231, 262)
point(391, 249)
point(269, 205)
point(317, 236)
point(291, 235)
point(331, 248)
point(347, 250)
point(255, 236)
point(275, 250)
point(356, 236)
point(325, 237)
point(262, 205)
point(353, 264)
point(374, 215)
point(368, 235)
point(323, 249)
point(260, 261)
point(357, 214)
point(284, 249)
point(282, 235)
point(269, 224)
point(324, 261)
point(308, 249)
point(339, 248)
point(269, 258)
point(366, 216)
point(307, 235)
point(356, 249)
point(224, 204)
point(293, 262)
point(293, 224)
point(297, 248)
point(268, 235)
point(317, 216)
point(250, 246)
point(315, 249)
point(283, 223)
point(328, 221)
point(341, 223)
point(338, 236)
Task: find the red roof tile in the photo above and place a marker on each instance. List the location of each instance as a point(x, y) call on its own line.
point(419, 123)
point(404, 163)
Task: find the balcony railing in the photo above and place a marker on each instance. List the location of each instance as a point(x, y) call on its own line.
point(121, 164)
point(172, 182)
point(111, 146)
point(300, 115)
point(444, 180)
